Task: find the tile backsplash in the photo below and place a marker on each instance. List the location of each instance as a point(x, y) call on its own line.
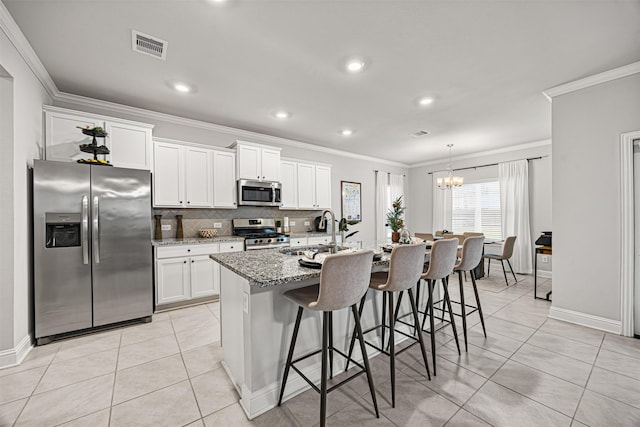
point(194, 220)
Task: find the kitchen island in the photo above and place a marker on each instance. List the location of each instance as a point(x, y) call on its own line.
point(257, 323)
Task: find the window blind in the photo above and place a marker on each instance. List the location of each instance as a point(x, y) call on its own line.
point(476, 207)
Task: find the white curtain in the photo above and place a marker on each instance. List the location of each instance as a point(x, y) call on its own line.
point(396, 188)
point(442, 205)
point(382, 203)
point(514, 207)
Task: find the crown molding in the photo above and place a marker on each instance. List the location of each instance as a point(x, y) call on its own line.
point(509, 149)
point(20, 42)
point(596, 79)
point(239, 133)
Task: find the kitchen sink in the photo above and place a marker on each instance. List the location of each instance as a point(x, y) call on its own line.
point(316, 248)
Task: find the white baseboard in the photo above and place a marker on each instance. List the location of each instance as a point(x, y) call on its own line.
point(588, 320)
point(14, 356)
point(545, 274)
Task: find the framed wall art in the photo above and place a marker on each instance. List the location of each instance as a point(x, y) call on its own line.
point(351, 201)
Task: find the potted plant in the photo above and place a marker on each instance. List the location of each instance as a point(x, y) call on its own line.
point(395, 220)
point(343, 227)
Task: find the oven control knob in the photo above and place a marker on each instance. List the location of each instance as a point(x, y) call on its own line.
point(269, 241)
point(259, 241)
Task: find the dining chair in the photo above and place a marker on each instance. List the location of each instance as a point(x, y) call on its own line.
point(507, 253)
point(471, 256)
point(405, 268)
point(425, 236)
point(344, 279)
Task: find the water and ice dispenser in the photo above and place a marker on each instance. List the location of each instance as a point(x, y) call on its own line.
point(63, 230)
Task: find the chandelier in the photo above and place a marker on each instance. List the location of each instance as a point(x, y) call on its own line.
point(449, 181)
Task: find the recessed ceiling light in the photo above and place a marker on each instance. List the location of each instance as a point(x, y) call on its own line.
point(425, 101)
point(282, 114)
point(181, 87)
point(355, 65)
point(346, 132)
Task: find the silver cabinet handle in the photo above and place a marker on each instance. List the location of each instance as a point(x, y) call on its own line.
point(85, 230)
point(96, 230)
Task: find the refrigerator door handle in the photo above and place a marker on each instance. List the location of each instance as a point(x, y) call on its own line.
point(96, 230)
point(85, 230)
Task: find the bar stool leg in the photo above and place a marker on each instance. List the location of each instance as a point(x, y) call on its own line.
point(331, 344)
point(463, 311)
point(287, 366)
point(323, 380)
point(363, 349)
point(384, 315)
point(414, 309)
point(512, 272)
point(392, 350)
point(353, 336)
point(488, 266)
point(453, 322)
point(475, 291)
point(431, 325)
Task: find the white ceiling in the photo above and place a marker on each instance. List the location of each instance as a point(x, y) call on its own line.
point(486, 64)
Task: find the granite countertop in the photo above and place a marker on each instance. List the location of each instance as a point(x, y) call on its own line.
point(311, 234)
point(270, 267)
point(195, 240)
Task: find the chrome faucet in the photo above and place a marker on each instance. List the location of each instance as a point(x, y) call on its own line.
point(333, 246)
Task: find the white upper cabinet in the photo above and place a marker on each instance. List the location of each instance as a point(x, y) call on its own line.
point(289, 180)
point(198, 177)
point(130, 143)
point(257, 162)
point(193, 176)
point(168, 175)
point(314, 186)
point(224, 179)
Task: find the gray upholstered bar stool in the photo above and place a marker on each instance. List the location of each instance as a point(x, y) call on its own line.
point(343, 281)
point(441, 261)
point(471, 256)
point(507, 252)
point(405, 268)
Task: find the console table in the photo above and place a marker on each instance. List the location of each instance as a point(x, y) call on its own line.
point(540, 250)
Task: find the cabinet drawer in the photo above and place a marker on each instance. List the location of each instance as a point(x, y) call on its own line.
point(318, 240)
point(298, 241)
point(186, 250)
point(232, 246)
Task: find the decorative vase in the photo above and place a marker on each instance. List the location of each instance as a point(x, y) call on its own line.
point(395, 236)
point(179, 230)
point(157, 234)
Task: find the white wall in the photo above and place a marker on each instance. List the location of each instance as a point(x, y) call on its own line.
point(28, 97)
point(419, 209)
point(586, 130)
point(343, 168)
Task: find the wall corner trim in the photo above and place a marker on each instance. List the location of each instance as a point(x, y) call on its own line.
point(584, 319)
point(596, 79)
point(14, 356)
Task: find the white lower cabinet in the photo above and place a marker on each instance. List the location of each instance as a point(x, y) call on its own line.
point(296, 242)
point(185, 272)
point(319, 240)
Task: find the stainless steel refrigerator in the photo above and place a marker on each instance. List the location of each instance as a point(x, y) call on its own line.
point(92, 246)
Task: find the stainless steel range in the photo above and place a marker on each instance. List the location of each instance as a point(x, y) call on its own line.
point(259, 233)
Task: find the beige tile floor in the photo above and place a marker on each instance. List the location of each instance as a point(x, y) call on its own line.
point(529, 371)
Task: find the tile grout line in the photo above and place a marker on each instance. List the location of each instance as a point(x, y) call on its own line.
point(584, 389)
point(115, 378)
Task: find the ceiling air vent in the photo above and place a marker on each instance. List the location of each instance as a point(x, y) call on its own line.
point(420, 133)
point(149, 45)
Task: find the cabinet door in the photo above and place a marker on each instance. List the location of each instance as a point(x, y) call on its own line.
point(62, 138)
point(306, 186)
point(224, 180)
point(319, 240)
point(168, 175)
point(198, 178)
point(249, 159)
point(205, 276)
point(323, 187)
point(270, 164)
point(172, 280)
point(289, 180)
point(130, 145)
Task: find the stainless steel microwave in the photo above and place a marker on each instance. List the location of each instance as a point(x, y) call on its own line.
point(259, 193)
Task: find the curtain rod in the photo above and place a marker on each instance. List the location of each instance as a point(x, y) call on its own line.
point(376, 171)
point(490, 164)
